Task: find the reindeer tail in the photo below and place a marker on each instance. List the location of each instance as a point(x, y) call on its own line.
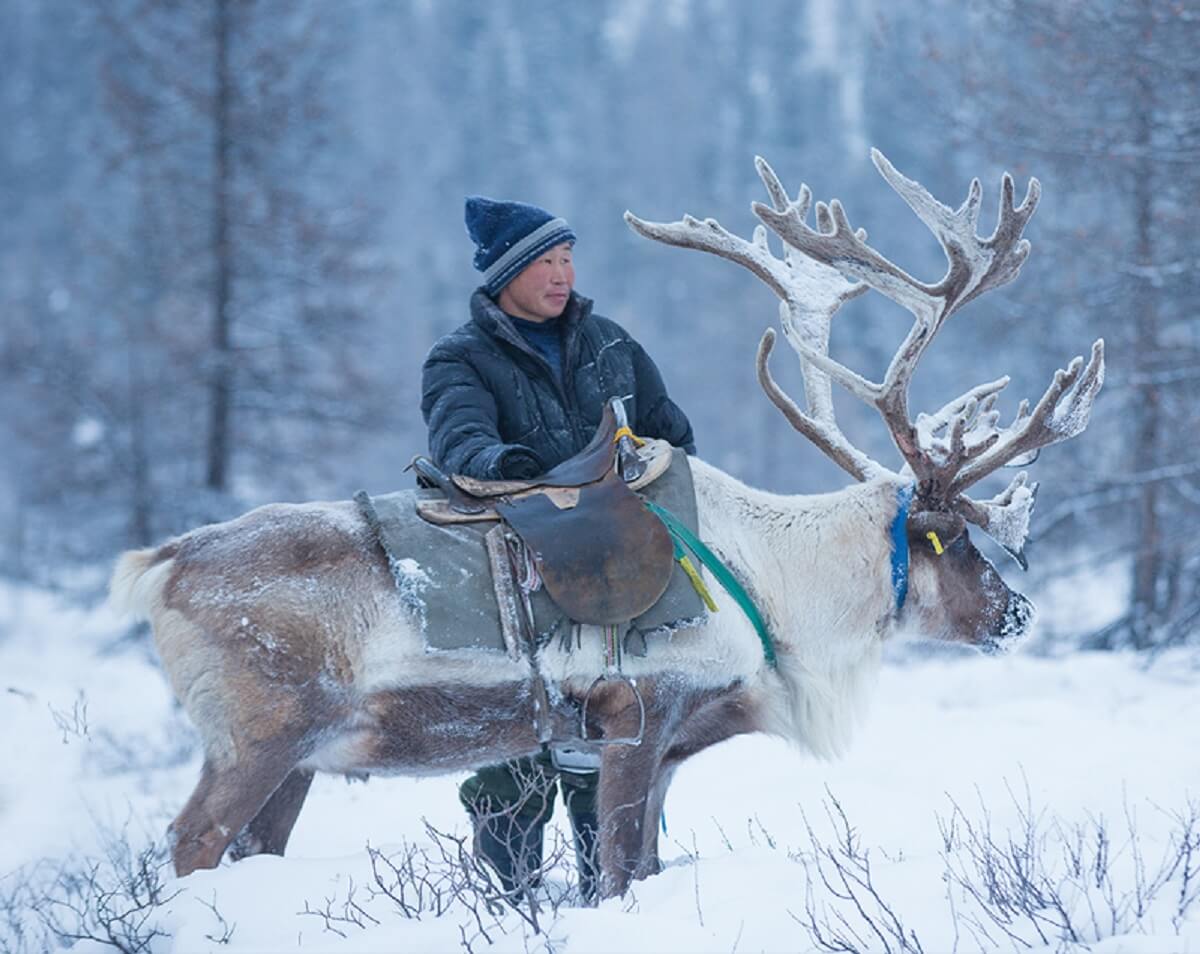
point(136, 585)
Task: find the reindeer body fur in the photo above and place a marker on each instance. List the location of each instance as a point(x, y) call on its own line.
point(286, 642)
point(323, 613)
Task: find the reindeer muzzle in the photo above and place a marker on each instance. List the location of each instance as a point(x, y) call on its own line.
point(1015, 627)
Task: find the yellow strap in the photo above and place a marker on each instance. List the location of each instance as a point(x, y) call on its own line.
point(937, 544)
point(626, 432)
point(698, 583)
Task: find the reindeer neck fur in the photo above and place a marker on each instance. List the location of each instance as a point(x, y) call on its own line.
point(819, 567)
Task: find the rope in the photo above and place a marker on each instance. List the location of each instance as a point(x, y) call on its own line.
point(525, 567)
point(682, 535)
point(626, 432)
point(694, 575)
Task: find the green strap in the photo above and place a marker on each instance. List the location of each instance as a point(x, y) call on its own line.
point(681, 534)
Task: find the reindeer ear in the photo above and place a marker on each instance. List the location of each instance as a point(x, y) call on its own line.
point(1019, 556)
point(1005, 518)
point(938, 527)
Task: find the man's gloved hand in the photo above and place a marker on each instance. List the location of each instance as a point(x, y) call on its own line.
point(518, 463)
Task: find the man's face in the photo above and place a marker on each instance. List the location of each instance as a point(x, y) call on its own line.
point(540, 292)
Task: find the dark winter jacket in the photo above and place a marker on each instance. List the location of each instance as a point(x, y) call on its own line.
point(495, 409)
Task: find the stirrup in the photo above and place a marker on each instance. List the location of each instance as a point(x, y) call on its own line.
point(628, 740)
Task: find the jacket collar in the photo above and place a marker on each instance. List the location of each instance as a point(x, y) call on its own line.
point(488, 316)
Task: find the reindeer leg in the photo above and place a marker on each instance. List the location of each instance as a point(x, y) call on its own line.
point(627, 777)
point(269, 830)
point(226, 798)
point(654, 809)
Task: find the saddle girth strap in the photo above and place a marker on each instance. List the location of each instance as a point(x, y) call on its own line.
point(525, 580)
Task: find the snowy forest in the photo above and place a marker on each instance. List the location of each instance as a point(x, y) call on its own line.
point(233, 229)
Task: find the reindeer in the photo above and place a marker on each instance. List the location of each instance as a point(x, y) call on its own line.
point(286, 643)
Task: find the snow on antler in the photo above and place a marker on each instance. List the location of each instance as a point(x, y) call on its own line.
point(822, 268)
point(1062, 413)
point(810, 294)
point(1005, 518)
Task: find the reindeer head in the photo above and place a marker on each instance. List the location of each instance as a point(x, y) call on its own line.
point(957, 593)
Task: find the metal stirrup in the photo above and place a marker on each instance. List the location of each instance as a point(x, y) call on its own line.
point(612, 673)
point(623, 740)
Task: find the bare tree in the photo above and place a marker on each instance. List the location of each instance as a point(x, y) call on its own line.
point(199, 336)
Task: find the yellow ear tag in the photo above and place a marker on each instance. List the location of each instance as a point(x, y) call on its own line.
point(937, 544)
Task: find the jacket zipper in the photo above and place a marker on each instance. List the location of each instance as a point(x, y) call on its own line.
point(567, 393)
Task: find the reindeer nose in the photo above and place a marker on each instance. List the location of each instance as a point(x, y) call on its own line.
point(1014, 627)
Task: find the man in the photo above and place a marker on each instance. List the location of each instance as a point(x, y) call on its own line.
point(516, 390)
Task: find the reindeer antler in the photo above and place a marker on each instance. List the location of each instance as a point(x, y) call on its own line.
point(824, 267)
point(810, 293)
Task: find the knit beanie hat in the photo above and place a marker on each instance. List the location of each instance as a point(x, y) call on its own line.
point(508, 236)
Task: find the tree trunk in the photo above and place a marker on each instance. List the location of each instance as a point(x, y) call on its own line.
point(1148, 558)
point(221, 386)
point(141, 499)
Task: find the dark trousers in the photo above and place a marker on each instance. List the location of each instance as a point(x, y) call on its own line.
point(510, 804)
point(526, 788)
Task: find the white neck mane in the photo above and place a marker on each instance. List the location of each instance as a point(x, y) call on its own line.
point(819, 568)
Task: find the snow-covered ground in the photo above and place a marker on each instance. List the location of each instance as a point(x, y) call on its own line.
point(1033, 767)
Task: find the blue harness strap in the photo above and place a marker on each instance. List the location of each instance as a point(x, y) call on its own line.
point(899, 534)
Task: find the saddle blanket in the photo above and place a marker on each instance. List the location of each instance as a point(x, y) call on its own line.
point(443, 574)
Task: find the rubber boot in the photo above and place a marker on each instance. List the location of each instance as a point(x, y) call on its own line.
point(585, 827)
point(512, 847)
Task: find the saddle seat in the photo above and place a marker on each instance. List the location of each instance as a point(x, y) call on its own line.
point(602, 556)
point(655, 454)
point(586, 467)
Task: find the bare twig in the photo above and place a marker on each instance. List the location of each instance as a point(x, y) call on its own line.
point(224, 926)
point(112, 901)
point(73, 724)
point(1046, 883)
point(861, 919)
point(346, 912)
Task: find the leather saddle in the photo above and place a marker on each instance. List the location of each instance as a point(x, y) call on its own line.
point(602, 556)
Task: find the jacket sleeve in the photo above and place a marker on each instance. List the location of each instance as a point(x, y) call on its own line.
point(461, 415)
point(658, 415)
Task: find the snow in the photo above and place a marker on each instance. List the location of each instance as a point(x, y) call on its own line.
point(95, 745)
point(88, 432)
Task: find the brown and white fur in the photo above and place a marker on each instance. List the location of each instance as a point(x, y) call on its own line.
point(286, 642)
